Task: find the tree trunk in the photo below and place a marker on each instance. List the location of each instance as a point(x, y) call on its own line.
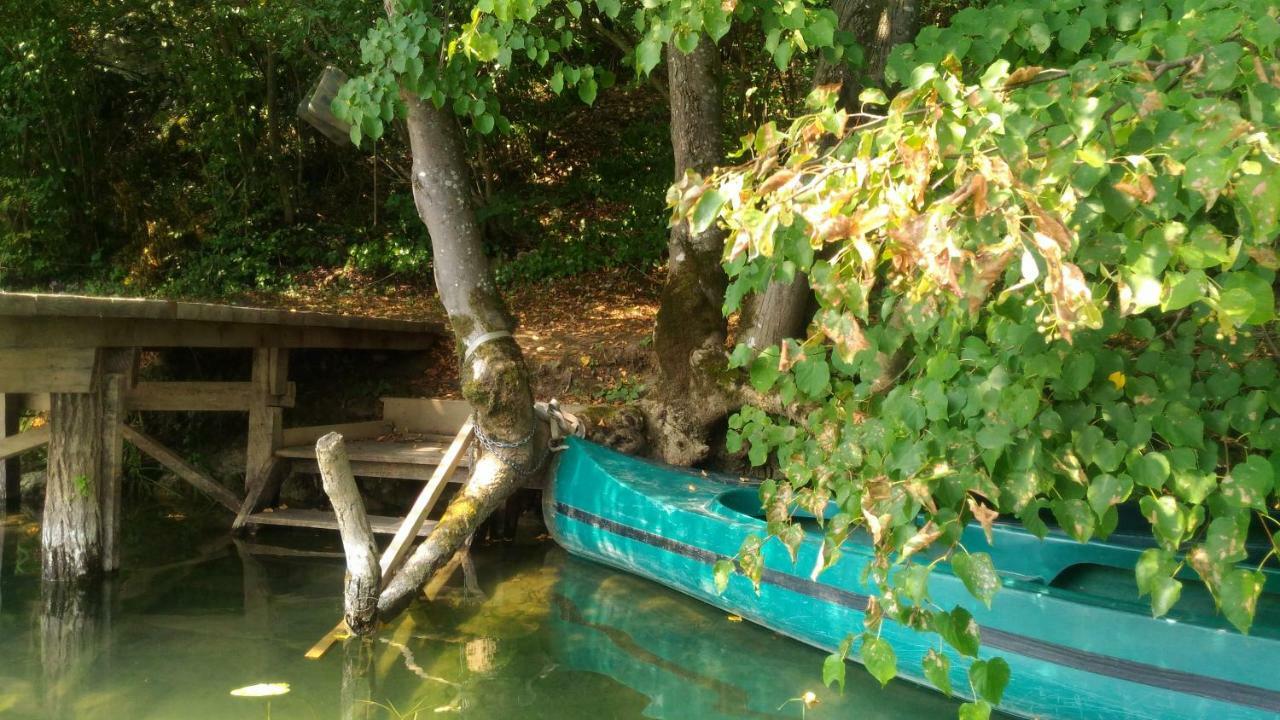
point(70, 625)
point(691, 328)
point(782, 311)
point(364, 576)
point(70, 535)
point(494, 378)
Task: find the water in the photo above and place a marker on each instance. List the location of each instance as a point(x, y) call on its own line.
point(196, 615)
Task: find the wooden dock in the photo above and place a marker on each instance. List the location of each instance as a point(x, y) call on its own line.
point(74, 358)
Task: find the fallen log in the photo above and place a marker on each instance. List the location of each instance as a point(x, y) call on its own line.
point(364, 576)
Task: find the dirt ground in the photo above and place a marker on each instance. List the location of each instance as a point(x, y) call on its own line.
point(587, 339)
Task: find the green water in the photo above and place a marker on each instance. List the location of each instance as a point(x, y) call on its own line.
point(195, 616)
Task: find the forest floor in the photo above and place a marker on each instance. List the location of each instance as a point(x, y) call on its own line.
point(587, 338)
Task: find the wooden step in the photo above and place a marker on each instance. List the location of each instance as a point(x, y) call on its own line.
point(322, 520)
point(396, 460)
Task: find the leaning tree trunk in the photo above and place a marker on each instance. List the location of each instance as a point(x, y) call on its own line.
point(691, 330)
point(494, 378)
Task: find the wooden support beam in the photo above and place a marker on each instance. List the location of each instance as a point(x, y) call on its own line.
point(40, 369)
point(14, 445)
point(117, 374)
point(426, 415)
point(10, 465)
point(270, 379)
point(181, 468)
point(396, 551)
point(70, 534)
point(203, 396)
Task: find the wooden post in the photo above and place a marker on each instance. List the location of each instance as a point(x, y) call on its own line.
point(117, 369)
point(270, 380)
point(70, 535)
point(364, 577)
point(10, 469)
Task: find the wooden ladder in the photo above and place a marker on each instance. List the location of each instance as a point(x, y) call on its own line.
point(398, 549)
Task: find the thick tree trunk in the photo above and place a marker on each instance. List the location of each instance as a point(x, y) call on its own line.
point(494, 378)
point(364, 576)
point(70, 535)
point(691, 328)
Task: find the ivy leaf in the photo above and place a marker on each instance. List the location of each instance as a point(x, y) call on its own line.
point(1165, 592)
point(988, 678)
point(1150, 470)
point(721, 571)
point(879, 659)
point(1248, 484)
point(1238, 596)
point(833, 670)
point(978, 574)
point(937, 670)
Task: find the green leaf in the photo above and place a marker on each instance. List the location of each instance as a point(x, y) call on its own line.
point(988, 678)
point(1238, 596)
point(587, 93)
point(833, 670)
point(1183, 290)
point(557, 82)
point(873, 96)
point(959, 630)
point(1073, 37)
point(1249, 483)
point(979, 710)
point(484, 124)
point(721, 571)
point(937, 670)
point(1165, 592)
point(648, 55)
point(1077, 373)
point(706, 210)
point(879, 659)
point(575, 8)
point(812, 376)
point(1150, 470)
point(1261, 304)
point(978, 574)
point(1107, 490)
point(913, 582)
point(1075, 517)
point(1207, 175)
point(1153, 564)
point(764, 370)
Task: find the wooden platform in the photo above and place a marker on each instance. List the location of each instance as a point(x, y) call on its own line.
point(393, 460)
point(321, 520)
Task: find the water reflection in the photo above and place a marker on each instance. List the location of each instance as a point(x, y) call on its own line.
point(552, 637)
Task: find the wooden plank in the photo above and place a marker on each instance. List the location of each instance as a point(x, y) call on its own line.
point(32, 402)
point(202, 396)
point(371, 451)
point(324, 520)
point(386, 471)
point(282, 551)
point(78, 332)
point(395, 553)
point(180, 467)
point(426, 415)
point(30, 305)
point(42, 369)
point(14, 445)
point(308, 435)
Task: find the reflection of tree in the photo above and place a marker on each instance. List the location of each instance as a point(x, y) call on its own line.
point(70, 626)
point(357, 679)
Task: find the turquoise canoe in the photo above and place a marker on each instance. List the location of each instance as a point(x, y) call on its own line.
point(1080, 642)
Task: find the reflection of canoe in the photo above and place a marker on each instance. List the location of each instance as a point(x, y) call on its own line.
point(693, 663)
point(1080, 644)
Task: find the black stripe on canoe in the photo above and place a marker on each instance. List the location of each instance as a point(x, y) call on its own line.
point(1130, 670)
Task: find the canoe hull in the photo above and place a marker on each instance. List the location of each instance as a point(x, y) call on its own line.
point(668, 525)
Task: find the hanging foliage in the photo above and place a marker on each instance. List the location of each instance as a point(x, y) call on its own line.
point(1046, 280)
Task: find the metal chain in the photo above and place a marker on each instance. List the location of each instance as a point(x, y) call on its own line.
point(498, 448)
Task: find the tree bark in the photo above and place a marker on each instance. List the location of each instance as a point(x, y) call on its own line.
point(70, 535)
point(691, 328)
point(878, 25)
point(364, 576)
point(494, 378)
